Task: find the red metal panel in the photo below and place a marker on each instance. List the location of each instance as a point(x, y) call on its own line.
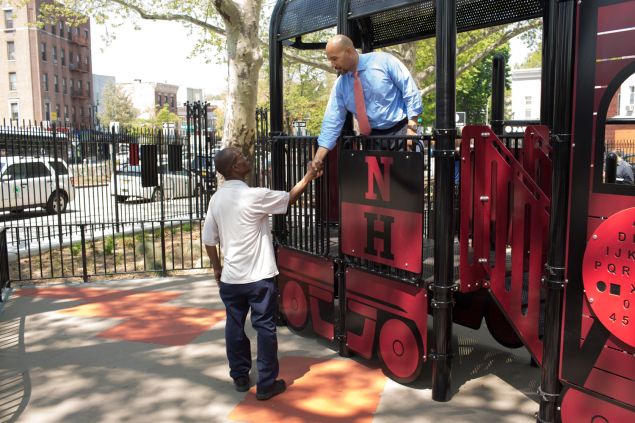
point(605, 205)
point(406, 233)
point(393, 297)
point(615, 44)
point(609, 274)
point(536, 156)
point(606, 71)
point(616, 16)
point(578, 407)
point(611, 385)
point(310, 266)
point(487, 193)
point(363, 343)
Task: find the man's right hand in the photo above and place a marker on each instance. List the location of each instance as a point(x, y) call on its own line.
point(316, 167)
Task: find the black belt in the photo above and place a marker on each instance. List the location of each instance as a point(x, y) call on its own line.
point(393, 128)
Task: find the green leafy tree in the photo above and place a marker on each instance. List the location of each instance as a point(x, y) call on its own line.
point(533, 59)
point(116, 106)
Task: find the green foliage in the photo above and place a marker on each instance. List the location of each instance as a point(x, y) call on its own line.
point(76, 249)
point(109, 245)
point(116, 106)
point(533, 59)
point(163, 115)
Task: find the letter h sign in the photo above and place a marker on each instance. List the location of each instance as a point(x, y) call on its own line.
point(381, 195)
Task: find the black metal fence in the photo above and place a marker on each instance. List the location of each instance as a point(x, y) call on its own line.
point(79, 202)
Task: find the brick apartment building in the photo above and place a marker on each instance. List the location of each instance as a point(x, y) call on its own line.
point(148, 97)
point(45, 74)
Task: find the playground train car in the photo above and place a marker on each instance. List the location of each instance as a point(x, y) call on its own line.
point(536, 238)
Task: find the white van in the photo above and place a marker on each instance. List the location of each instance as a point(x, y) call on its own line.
point(30, 181)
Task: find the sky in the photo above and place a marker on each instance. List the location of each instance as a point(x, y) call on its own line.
point(156, 53)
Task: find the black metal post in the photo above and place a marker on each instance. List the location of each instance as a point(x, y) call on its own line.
point(549, 35)
point(498, 94)
point(113, 159)
point(57, 190)
point(82, 228)
point(275, 70)
point(188, 132)
point(555, 268)
point(445, 131)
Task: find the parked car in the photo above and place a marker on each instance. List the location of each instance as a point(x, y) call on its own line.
point(31, 181)
point(129, 185)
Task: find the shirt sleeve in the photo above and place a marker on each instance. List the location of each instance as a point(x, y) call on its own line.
point(210, 228)
point(273, 202)
point(334, 117)
point(402, 78)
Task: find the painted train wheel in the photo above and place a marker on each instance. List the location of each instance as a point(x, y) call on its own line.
point(295, 305)
point(399, 351)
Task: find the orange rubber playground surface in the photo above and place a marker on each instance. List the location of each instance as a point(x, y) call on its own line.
point(152, 350)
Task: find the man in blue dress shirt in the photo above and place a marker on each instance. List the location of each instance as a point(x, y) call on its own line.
point(392, 99)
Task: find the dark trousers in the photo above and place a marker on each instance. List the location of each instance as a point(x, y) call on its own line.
point(400, 128)
point(261, 298)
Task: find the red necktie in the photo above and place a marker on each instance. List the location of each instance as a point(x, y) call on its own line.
point(360, 106)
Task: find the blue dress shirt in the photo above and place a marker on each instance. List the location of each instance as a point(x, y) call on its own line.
point(390, 95)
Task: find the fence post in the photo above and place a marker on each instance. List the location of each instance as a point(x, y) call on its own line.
point(163, 195)
point(5, 280)
point(57, 190)
point(84, 260)
point(113, 160)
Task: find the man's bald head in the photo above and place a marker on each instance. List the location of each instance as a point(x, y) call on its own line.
point(340, 41)
point(341, 52)
point(225, 159)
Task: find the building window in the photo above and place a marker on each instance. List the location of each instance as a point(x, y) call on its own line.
point(8, 19)
point(65, 112)
point(43, 51)
point(64, 86)
point(73, 113)
point(72, 88)
point(79, 87)
point(88, 89)
point(63, 57)
point(47, 111)
point(13, 81)
point(70, 57)
point(159, 99)
point(53, 29)
point(78, 61)
point(631, 99)
point(86, 34)
point(45, 81)
point(69, 33)
point(165, 99)
point(57, 112)
point(86, 60)
point(54, 54)
point(10, 50)
point(528, 107)
point(81, 111)
point(56, 84)
point(15, 111)
point(61, 27)
point(172, 101)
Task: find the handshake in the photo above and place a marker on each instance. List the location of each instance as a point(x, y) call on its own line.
point(315, 169)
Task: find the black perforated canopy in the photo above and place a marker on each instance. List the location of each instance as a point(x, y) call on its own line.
point(390, 22)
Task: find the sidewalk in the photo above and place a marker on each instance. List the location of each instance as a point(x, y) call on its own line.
point(152, 350)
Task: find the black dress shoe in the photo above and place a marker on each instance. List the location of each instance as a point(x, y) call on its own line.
point(241, 383)
point(278, 387)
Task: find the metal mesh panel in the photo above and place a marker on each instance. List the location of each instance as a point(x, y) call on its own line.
point(306, 16)
point(418, 21)
point(395, 21)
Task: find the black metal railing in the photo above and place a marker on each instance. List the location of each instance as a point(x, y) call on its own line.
point(4, 263)
point(305, 227)
point(101, 250)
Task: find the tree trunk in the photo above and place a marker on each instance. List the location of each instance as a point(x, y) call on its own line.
point(244, 62)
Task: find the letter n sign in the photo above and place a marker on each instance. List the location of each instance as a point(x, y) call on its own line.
point(381, 195)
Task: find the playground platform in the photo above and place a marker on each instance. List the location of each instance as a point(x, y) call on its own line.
point(152, 350)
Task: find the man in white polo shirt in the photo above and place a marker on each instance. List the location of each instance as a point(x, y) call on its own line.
point(238, 220)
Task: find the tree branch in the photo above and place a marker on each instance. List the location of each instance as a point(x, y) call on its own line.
point(513, 32)
point(170, 17)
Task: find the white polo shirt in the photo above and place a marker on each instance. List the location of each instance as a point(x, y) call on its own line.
point(238, 219)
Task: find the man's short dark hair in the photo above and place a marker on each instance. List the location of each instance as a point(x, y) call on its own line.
point(225, 159)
